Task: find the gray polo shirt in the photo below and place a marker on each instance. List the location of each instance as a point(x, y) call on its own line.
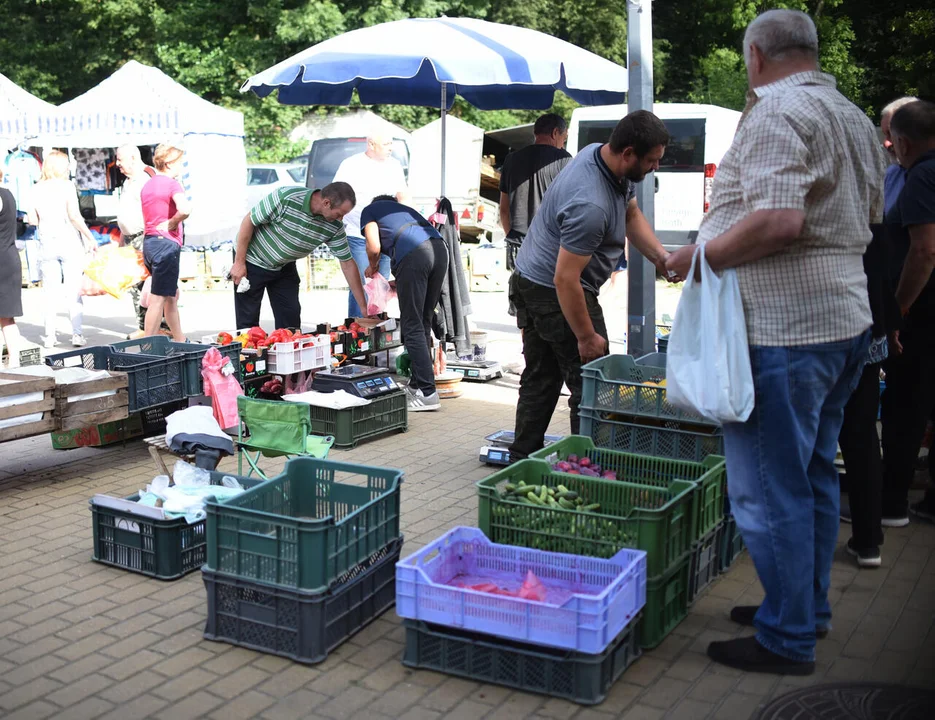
point(584, 211)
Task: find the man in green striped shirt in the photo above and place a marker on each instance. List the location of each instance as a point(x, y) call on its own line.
point(288, 224)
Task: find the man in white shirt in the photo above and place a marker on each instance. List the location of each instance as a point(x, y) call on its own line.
point(371, 173)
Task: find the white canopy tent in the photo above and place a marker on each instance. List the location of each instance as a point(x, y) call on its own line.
point(141, 105)
point(22, 114)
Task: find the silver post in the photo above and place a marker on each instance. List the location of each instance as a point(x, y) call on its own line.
point(444, 146)
point(641, 274)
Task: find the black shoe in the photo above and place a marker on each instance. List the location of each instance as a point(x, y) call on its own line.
point(923, 510)
point(748, 655)
point(866, 558)
point(744, 614)
point(846, 513)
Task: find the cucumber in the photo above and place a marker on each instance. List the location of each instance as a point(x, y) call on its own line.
point(566, 503)
point(534, 499)
point(593, 507)
point(509, 487)
point(568, 495)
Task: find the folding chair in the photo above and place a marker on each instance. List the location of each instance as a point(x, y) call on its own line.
point(272, 428)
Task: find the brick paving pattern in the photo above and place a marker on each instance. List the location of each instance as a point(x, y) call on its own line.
point(83, 640)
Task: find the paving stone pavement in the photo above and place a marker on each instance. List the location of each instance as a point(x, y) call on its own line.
point(83, 640)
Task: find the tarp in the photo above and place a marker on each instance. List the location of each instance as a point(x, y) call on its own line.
point(22, 115)
point(141, 105)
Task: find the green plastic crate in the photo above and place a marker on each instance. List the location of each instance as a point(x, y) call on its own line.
point(306, 527)
point(666, 603)
point(351, 425)
point(709, 475)
point(655, 519)
point(578, 677)
point(163, 549)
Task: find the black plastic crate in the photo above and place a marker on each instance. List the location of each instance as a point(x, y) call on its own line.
point(191, 353)
point(579, 677)
point(705, 563)
point(163, 549)
point(299, 625)
point(151, 380)
point(638, 435)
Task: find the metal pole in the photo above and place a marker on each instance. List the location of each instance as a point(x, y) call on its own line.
point(444, 146)
point(641, 274)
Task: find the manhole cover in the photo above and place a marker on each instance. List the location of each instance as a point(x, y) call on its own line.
point(852, 701)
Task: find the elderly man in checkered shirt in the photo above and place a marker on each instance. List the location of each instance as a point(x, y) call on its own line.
point(791, 210)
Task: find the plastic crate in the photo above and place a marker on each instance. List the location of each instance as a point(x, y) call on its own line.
point(592, 600)
point(730, 544)
point(666, 603)
point(299, 625)
point(654, 519)
point(163, 549)
point(579, 677)
point(151, 380)
point(192, 355)
point(351, 425)
point(705, 565)
point(616, 384)
point(306, 527)
point(153, 420)
point(659, 441)
point(308, 353)
point(710, 475)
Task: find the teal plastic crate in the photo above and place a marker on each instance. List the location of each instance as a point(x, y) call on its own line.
point(626, 387)
point(163, 549)
point(655, 519)
point(709, 475)
point(666, 603)
point(582, 678)
point(351, 425)
point(642, 438)
point(191, 354)
point(305, 528)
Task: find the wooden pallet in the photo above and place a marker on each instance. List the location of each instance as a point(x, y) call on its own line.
point(14, 385)
point(96, 411)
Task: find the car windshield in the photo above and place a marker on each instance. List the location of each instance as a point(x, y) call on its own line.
point(328, 154)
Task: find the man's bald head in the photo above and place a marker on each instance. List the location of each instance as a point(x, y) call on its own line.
point(379, 146)
point(129, 160)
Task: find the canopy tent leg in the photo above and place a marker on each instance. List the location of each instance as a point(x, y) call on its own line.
point(444, 145)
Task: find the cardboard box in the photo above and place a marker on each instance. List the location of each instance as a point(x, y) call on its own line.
point(99, 435)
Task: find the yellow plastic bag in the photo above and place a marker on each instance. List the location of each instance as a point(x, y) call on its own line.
point(116, 269)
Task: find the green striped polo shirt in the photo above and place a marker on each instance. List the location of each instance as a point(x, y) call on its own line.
point(286, 229)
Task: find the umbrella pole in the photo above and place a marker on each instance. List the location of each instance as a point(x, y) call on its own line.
point(444, 146)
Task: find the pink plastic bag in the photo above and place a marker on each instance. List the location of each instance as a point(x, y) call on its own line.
point(222, 389)
point(378, 294)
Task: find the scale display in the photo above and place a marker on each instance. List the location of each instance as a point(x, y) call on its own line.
point(365, 382)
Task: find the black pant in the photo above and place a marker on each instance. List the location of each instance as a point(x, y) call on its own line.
point(551, 352)
point(860, 446)
point(513, 243)
point(420, 277)
point(283, 288)
point(907, 405)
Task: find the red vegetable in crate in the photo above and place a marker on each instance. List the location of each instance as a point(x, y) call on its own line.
point(256, 335)
point(225, 338)
point(532, 588)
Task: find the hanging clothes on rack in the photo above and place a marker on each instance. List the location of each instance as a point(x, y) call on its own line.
point(91, 173)
point(455, 303)
point(20, 172)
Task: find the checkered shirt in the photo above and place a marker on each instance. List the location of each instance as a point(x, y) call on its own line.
point(801, 145)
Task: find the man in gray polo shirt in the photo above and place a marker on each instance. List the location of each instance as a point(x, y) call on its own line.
point(572, 246)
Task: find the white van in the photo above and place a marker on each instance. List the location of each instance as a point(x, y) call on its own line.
point(700, 134)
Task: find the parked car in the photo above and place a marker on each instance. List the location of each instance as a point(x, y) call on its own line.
point(263, 179)
point(327, 154)
point(701, 134)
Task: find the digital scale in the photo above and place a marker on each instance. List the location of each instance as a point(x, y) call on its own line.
point(476, 370)
point(361, 380)
point(498, 453)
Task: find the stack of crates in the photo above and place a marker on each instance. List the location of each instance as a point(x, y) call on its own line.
point(301, 562)
point(465, 614)
point(671, 509)
point(624, 407)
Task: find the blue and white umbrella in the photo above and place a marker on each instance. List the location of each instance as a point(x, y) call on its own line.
point(428, 61)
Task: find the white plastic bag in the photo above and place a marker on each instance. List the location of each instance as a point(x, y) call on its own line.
point(708, 361)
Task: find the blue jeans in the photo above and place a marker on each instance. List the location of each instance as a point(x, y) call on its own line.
point(359, 252)
point(783, 485)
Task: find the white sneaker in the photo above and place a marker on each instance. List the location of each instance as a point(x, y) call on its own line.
point(78, 341)
point(49, 341)
point(420, 403)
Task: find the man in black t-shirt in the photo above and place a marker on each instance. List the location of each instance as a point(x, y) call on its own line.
point(910, 368)
point(524, 178)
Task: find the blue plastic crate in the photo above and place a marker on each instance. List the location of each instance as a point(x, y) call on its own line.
point(589, 600)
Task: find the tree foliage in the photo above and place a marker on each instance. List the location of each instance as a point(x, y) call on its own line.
point(59, 49)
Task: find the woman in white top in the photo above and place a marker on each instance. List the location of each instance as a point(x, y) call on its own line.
point(62, 231)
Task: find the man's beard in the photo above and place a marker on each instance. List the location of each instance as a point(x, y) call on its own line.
point(636, 175)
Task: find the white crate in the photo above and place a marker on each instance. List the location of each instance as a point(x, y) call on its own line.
point(306, 354)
